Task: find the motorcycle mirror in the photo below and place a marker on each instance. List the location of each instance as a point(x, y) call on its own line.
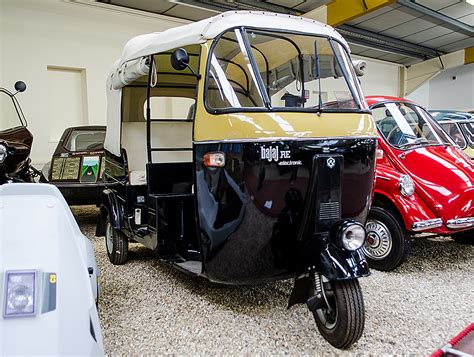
point(20, 86)
point(180, 59)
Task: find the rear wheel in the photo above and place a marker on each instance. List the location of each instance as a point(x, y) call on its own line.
point(386, 246)
point(116, 243)
point(341, 322)
point(466, 237)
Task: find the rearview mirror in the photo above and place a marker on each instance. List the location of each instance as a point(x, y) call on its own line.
point(179, 59)
point(20, 86)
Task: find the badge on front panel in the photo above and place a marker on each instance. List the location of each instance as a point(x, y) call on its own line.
point(330, 162)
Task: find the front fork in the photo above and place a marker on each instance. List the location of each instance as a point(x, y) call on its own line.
point(333, 264)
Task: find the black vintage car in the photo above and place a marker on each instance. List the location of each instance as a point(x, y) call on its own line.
point(77, 165)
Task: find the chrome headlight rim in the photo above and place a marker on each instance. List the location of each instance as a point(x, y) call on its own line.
point(351, 235)
point(3, 153)
point(406, 185)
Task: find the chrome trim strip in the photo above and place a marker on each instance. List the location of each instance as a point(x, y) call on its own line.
point(285, 138)
point(428, 224)
point(460, 223)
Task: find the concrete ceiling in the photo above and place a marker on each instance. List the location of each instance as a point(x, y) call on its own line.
point(405, 32)
point(442, 26)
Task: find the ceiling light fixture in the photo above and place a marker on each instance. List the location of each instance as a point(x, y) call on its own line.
point(471, 2)
point(197, 5)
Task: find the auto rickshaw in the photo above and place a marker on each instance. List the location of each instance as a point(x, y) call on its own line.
point(240, 149)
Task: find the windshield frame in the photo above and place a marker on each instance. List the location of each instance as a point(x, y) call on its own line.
point(462, 125)
point(422, 112)
point(457, 124)
point(358, 98)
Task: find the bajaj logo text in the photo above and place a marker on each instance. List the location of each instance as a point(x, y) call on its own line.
point(273, 153)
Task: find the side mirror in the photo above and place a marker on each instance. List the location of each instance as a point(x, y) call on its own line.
point(359, 67)
point(20, 86)
point(179, 59)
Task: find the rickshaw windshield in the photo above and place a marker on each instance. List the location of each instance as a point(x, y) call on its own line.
point(265, 70)
point(406, 125)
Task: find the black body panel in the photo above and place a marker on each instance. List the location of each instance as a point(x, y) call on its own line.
point(251, 211)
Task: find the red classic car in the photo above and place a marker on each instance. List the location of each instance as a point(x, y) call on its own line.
point(424, 183)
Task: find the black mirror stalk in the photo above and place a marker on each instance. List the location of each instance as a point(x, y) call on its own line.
point(180, 61)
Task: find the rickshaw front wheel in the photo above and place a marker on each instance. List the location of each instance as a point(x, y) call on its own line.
point(341, 322)
point(116, 243)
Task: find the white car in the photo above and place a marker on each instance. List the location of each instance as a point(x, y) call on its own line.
point(48, 276)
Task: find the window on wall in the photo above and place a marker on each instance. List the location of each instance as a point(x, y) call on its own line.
point(67, 100)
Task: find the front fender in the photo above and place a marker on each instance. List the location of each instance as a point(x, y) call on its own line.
point(338, 264)
point(333, 264)
point(411, 209)
point(109, 207)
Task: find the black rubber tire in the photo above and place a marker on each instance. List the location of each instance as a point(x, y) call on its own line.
point(349, 321)
point(118, 255)
point(400, 241)
point(466, 237)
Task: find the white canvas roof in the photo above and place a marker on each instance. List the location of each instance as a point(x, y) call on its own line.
point(201, 31)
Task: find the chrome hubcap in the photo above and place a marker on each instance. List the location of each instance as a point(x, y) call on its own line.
point(379, 240)
point(109, 238)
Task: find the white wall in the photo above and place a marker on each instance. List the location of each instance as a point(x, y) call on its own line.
point(35, 34)
point(421, 95)
point(380, 78)
point(445, 92)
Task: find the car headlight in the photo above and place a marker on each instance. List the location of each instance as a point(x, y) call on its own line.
point(406, 185)
point(20, 290)
point(351, 235)
point(3, 153)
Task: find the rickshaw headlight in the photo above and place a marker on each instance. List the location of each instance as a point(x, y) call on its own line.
point(351, 235)
point(3, 153)
point(214, 159)
point(406, 185)
point(20, 289)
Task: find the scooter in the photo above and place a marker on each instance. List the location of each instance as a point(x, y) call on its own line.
point(15, 145)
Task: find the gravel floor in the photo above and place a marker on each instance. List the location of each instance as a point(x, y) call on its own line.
point(148, 307)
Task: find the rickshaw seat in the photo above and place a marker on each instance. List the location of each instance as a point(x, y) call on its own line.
point(137, 178)
point(134, 142)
